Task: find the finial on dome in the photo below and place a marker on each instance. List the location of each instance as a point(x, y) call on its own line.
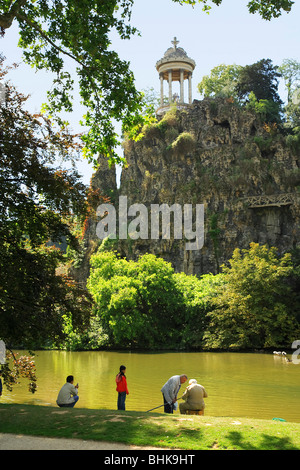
point(175, 42)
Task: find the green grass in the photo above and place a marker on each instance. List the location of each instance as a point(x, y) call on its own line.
point(150, 429)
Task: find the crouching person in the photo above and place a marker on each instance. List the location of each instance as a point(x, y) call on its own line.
point(193, 397)
point(68, 394)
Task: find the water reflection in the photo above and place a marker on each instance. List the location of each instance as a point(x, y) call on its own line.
point(249, 385)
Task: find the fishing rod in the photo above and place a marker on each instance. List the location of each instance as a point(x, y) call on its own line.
point(162, 405)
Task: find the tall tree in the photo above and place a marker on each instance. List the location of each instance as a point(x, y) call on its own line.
point(261, 79)
point(36, 202)
point(290, 71)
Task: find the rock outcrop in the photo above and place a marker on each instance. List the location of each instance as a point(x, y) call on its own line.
point(224, 157)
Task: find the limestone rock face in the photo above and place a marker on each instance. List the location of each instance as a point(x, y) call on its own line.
point(213, 153)
point(103, 182)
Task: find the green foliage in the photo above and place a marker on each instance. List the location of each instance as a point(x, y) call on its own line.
point(52, 33)
point(144, 304)
point(154, 128)
point(254, 308)
point(183, 144)
point(290, 71)
point(260, 78)
point(270, 9)
point(263, 143)
point(267, 9)
point(137, 302)
point(93, 337)
point(221, 81)
point(36, 204)
point(293, 140)
point(199, 298)
point(253, 86)
point(292, 115)
point(268, 110)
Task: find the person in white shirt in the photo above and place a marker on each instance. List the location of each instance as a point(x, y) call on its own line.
point(68, 394)
point(170, 391)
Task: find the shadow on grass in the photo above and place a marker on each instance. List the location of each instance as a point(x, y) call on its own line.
point(267, 442)
point(145, 430)
point(142, 429)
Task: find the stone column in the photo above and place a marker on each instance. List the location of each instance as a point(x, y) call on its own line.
point(170, 86)
point(181, 86)
point(161, 89)
point(190, 88)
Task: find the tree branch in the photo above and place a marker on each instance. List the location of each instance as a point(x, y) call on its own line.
point(44, 35)
point(7, 18)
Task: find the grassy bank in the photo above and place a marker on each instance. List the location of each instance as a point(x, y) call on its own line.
point(151, 429)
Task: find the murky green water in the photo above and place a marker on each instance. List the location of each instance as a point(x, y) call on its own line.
point(240, 385)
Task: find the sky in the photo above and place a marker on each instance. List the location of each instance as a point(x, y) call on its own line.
point(229, 34)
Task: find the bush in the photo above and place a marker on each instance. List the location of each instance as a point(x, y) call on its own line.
point(252, 309)
point(185, 143)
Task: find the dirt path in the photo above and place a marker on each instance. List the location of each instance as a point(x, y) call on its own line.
point(22, 442)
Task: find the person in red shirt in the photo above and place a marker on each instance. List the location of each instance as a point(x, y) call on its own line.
point(121, 388)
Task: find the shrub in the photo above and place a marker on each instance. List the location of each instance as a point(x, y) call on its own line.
point(185, 143)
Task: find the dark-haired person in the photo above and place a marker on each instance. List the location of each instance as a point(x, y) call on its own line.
point(68, 394)
point(121, 388)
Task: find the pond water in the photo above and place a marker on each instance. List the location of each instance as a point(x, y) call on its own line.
point(240, 385)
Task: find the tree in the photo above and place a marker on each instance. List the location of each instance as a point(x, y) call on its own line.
point(261, 79)
point(257, 87)
point(268, 110)
point(254, 86)
point(51, 32)
point(138, 302)
point(145, 304)
point(199, 299)
point(290, 71)
point(37, 202)
point(254, 307)
point(221, 81)
point(267, 9)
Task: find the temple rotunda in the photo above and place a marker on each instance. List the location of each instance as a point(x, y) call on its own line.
point(175, 66)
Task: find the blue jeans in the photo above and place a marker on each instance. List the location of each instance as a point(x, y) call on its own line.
point(70, 405)
point(121, 400)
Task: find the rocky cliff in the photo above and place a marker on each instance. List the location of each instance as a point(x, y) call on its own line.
point(224, 157)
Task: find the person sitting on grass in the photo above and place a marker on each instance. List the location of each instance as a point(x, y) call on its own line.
point(193, 397)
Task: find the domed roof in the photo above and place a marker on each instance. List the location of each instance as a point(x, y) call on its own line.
point(176, 54)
